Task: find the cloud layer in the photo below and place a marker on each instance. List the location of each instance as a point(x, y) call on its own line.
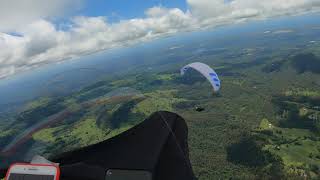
point(17, 13)
point(41, 42)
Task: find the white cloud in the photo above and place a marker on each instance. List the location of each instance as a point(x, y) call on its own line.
point(218, 11)
point(41, 42)
point(17, 13)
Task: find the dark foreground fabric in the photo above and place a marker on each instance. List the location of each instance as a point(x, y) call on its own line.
point(159, 145)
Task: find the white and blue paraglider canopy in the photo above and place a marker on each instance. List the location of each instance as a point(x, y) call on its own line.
point(206, 71)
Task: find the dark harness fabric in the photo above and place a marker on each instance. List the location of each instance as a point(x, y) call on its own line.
point(158, 145)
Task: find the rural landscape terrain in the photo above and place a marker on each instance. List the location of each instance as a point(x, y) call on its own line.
point(263, 124)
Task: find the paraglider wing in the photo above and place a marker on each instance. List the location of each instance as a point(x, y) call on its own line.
point(206, 71)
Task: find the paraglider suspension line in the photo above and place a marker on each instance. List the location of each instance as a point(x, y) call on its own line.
point(178, 145)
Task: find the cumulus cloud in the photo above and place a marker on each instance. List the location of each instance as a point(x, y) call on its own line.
point(14, 14)
point(222, 11)
point(41, 42)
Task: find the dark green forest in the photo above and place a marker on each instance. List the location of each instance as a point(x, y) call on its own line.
point(263, 124)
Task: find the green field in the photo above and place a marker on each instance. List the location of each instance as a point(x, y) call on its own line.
point(262, 125)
